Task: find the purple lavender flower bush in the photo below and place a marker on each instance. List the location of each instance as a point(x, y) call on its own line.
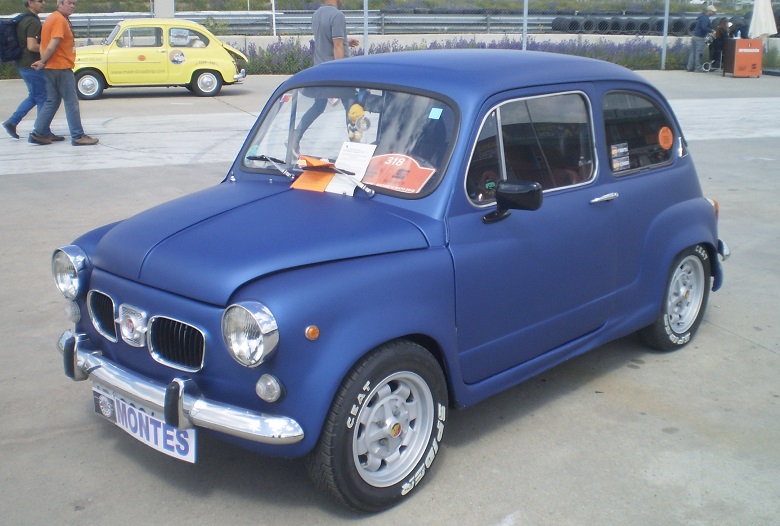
point(288, 56)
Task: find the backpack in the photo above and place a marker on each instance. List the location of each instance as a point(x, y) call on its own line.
point(10, 50)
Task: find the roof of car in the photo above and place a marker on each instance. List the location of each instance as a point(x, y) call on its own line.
point(159, 21)
point(460, 71)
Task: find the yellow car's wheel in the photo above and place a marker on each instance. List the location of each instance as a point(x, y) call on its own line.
point(89, 84)
point(206, 83)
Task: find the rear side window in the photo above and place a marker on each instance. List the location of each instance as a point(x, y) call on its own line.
point(544, 139)
point(181, 37)
point(639, 133)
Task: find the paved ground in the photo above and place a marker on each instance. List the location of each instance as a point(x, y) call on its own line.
point(620, 436)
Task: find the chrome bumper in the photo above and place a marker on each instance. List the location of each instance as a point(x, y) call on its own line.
point(240, 75)
point(180, 401)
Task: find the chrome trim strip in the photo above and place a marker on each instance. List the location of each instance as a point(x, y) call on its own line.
point(195, 410)
point(91, 313)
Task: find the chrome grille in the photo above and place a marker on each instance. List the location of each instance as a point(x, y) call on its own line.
point(176, 344)
point(101, 312)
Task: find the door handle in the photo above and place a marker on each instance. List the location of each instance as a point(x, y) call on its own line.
point(606, 197)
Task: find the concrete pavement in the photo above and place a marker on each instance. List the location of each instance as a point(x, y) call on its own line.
point(622, 435)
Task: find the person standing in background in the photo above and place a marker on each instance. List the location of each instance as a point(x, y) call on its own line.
point(58, 56)
point(28, 34)
point(330, 33)
point(329, 27)
point(700, 32)
point(718, 44)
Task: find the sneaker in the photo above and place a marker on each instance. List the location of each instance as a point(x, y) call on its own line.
point(55, 138)
point(84, 140)
point(38, 139)
point(11, 129)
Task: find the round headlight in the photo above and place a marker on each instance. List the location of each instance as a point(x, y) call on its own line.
point(66, 266)
point(250, 332)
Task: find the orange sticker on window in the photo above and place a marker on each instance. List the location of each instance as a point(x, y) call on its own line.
point(665, 138)
point(397, 172)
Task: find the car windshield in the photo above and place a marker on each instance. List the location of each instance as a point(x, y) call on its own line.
point(398, 143)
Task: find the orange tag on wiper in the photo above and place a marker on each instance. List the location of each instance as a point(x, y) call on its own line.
point(316, 176)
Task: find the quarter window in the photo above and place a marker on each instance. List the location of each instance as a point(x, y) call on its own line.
point(485, 167)
point(180, 37)
point(543, 139)
point(639, 134)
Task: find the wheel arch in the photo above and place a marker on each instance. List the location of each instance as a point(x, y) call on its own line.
point(682, 226)
point(356, 312)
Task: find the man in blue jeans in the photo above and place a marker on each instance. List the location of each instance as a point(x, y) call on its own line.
point(58, 56)
point(330, 43)
point(28, 34)
point(698, 40)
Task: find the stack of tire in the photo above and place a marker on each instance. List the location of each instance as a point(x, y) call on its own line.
point(629, 25)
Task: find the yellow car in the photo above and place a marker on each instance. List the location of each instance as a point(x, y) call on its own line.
point(158, 52)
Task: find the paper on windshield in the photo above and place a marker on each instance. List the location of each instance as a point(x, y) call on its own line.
point(321, 175)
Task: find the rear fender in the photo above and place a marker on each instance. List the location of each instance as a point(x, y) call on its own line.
point(681, 226)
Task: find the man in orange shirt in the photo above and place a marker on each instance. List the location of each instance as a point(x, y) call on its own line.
point(58, 56)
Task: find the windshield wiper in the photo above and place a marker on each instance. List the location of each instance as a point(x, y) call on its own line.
point(360, 184)
point(276, 162)
point(278, 165)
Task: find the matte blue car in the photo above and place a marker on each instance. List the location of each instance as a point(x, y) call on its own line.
point(400, 235)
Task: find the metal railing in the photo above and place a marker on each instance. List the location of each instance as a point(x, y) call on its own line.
point(253, 23)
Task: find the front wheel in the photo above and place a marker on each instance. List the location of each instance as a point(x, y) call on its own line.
point(687, 291)
point(384, 428)
point(89, 85)
point(206, 83)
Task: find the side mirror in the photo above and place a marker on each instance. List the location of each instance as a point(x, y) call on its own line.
point(514, 195)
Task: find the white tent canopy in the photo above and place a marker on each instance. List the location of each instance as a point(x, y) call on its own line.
point(762, 23)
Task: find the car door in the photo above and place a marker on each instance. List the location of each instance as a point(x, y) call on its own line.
point(138, 56)
point(537, 280)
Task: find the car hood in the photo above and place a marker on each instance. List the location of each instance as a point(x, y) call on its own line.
point(206, 245)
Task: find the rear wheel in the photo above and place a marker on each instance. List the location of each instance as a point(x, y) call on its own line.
point(687, 291)
point(89, 84)
point(384, 428)
point(206, 83)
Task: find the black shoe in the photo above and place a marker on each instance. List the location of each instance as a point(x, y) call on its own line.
point(38, 139)
point(11, 129)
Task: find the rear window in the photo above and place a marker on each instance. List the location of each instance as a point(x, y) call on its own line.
point(639, 133)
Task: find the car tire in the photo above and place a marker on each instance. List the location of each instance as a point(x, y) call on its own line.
point(89, 84)
point(685, 300)
point(384, 428)
point(206, 83)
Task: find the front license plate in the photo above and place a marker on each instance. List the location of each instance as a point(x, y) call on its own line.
point(145, 426)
